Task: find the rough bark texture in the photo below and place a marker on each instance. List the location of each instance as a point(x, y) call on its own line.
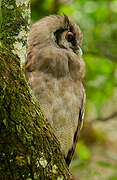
point(28, 147)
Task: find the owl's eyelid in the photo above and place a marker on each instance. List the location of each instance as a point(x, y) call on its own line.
point(70, 33)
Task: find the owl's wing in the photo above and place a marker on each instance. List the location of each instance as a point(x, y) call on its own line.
point(79, 126)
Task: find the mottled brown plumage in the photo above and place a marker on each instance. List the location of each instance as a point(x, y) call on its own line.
point(55, 71)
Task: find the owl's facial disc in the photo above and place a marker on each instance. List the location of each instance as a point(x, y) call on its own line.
point(67, 40)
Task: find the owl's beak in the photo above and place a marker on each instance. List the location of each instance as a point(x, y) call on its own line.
point(78, 51)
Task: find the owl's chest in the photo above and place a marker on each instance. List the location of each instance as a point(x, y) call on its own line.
point(60, 100)
point(55, 95)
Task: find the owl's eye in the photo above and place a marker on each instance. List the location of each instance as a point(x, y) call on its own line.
point(70, 37)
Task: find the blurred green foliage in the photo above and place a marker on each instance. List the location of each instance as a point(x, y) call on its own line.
point(83, 156)
point(113, 178)
point(84, 153)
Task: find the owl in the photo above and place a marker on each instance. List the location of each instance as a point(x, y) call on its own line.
point(55, 72)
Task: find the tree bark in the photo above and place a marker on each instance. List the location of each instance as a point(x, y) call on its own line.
point(28, 148)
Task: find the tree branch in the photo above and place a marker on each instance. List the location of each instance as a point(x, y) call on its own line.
point(102, 49)
point(113, 115)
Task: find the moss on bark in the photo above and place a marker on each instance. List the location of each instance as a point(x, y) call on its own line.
point(14, 25)
point(14, 19)
point(28, 149)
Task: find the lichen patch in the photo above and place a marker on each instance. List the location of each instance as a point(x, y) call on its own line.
point(22, 35)
point(54, 169)
point(10, 7)
point(43, 162)
point(20, 50)
point(60, 178)
point(22, 2)
point(26, 14)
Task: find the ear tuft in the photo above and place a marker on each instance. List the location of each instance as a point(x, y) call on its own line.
point(66, 20)
point(68, 23)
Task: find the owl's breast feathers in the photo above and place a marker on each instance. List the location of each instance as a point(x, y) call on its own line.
point(56, 80)
point(55, 61)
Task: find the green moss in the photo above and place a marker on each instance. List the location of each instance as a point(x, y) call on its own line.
point(13, 22)
point(24, 130)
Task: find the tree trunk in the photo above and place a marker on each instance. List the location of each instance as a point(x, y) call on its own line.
point(28, 148)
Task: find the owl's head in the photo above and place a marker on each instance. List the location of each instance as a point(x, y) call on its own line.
point(58, 31)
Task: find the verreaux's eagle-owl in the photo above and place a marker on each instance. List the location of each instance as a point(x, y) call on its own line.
point(55, 71)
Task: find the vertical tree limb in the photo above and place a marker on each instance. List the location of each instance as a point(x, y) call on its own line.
point(28, 148)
